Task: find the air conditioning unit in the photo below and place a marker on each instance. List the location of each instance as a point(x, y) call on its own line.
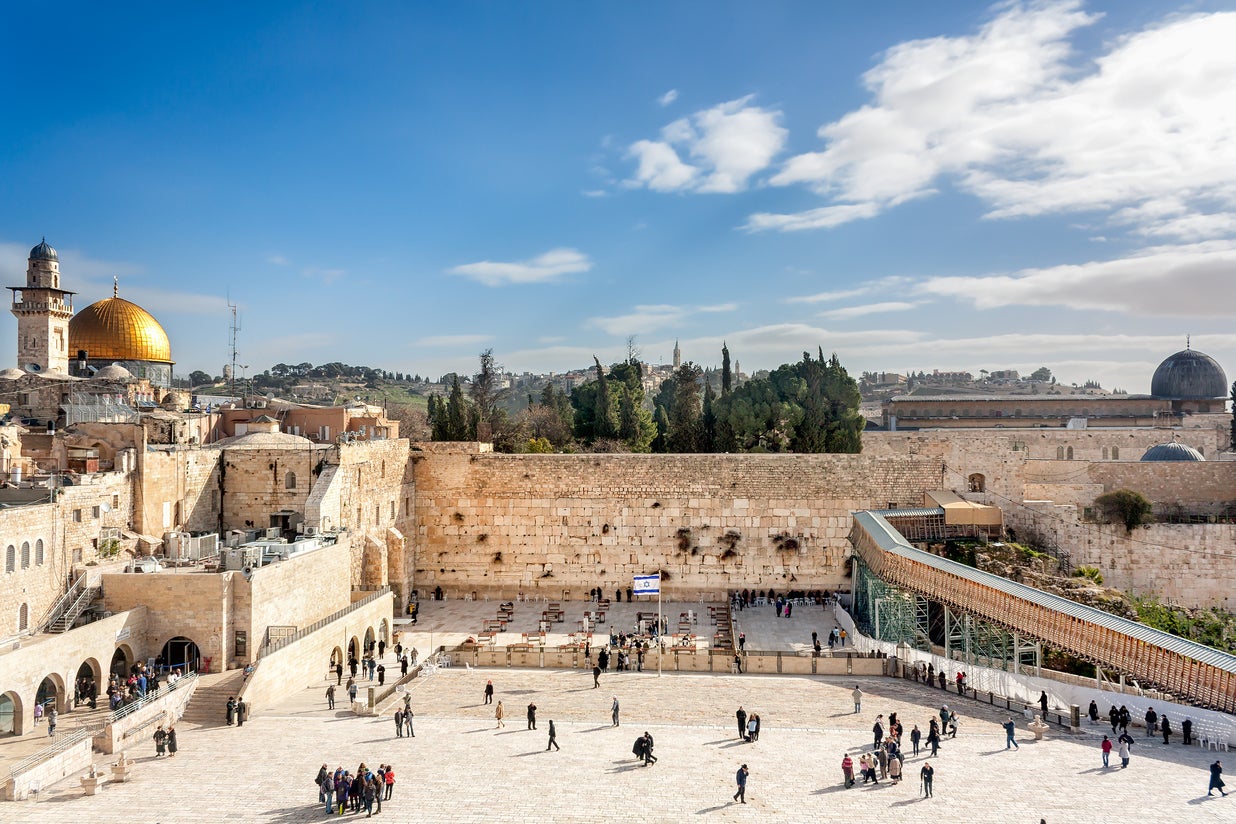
point(312, 532)
point(238, 557)
point(273, 532)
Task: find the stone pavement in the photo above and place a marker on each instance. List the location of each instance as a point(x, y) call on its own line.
point(459, 768)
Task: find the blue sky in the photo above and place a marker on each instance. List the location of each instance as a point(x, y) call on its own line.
point(911, 185)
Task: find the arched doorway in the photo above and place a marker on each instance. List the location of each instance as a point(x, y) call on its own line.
point(51, 694)
point(978, 483)
point(353, 649)
point(369, 642)
point(122, 659)
point(86, 684)
point(384, 632)
point(336, 657)
point(11, 717)
point(182, 652)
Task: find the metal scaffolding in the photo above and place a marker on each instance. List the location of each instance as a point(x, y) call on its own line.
point(888, 613)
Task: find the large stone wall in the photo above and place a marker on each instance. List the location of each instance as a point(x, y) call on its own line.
point(296, 592)
point(197, 605)
point(548, 524)
point(177, 489)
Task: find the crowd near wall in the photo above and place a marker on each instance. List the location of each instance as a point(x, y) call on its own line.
point(563, 524)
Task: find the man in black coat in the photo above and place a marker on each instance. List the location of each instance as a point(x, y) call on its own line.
point(742, 723)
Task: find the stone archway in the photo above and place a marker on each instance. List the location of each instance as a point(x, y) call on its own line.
point(86, 684)
point(354, 649)
point(978, 482)
point(336, 657)
point(122, 659)
point(182, 652)
point(51, 694)
point(384, 632)
point(12, 715)
point(369, 640)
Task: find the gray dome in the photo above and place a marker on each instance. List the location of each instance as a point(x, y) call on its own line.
point(43, 252)
point(1189, 375)
point(1172, 452)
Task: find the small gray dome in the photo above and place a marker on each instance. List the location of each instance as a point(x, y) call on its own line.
point(113, 372)
point(43, 252)
point(1189, 375)
point(1172, 452)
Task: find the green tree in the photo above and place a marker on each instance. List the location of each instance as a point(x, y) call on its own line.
point(727, 376)
point(604, 425)
point(1124, 506)
point(459, 423)
point(1041, 374)
point(708, 422)
point(486, 393)
point(684, 417)
point(199, 378)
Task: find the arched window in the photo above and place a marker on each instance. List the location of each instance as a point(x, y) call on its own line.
point(1069, 454)
point(10, 559)
point(23, 617)
point(38, 552)
point(978, 483)
point(1115, 453)
point(290, 480)
point(1105, 454)
point(1060, 453)
point(25, 555)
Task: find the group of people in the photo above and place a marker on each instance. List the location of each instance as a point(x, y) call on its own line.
point(1155, 723)
point(362, 789)
point(165, 741)
point(748, 725)
point(237, 712)
point(750, 597)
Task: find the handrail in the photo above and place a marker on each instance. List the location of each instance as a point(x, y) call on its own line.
point(278, 644)
point(130, 708)
point(26, 764)
point(61, 604)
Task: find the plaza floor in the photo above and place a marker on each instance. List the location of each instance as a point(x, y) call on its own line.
point(461, 768)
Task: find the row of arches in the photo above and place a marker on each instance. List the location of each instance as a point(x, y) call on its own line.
point(356, 648)
point(53, 693)
point(31, 553)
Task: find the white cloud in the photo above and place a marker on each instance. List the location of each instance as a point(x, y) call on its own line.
point(277, 260)
point(547, 267)
point(868, 309)
point(323, 275)
point(1007, 115)
point(161, 301)
point(642, 320)
point(828, 297)
point(719, 307)
point(451, 340)
point(724, 147)
point(1186, 281)
point(668, 98)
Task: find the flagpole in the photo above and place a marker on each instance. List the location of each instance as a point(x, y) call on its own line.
point(660, 636)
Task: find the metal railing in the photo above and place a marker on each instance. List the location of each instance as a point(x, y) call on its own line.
point(62, 603)
point(275, 645)
point(47, 753)
point(132, 707)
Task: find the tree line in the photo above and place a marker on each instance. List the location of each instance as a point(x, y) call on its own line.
point(807, 406)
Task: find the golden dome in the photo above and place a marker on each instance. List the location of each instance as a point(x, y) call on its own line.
point(115, 329)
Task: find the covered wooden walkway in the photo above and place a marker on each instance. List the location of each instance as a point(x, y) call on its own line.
point(1196, 673)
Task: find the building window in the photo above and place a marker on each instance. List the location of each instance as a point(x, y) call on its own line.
point(1060, 453)
point(25, 555)
point(77, 516)
point(392, 510)
point(978, 483)
point(1115, 453)
point(1105, 453)
point(23, 617)
point(115, 502)
point(10, 559)
point(38, 552)
point(96, 512)
point(290, 481)
point(1068, 455)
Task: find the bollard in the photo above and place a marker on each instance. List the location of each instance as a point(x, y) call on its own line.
point(1074, 716)
point(372, 702)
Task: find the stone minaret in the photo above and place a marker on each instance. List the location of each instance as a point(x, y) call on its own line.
point(43, 311)
point(677, 354)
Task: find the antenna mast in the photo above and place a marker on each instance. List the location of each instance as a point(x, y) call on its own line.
point(234, 329)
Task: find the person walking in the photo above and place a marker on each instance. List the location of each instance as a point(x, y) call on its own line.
point(381, 674)
point(352, 690)
point(1043, 703)
point(52, 718)
point(649, 758)
point(741, 778)
point(531, 716)
point(338, 673)
point(613, 712)
point(498, 713)
point(1010, 729)
point(407, 717)
point(160, 740)
point(489, 692)
point(1126, 742)
point(330, 697)
point(1165, 727)
point(399, 723)
point(1093, 713)
point(742, 722)
point(877, 731)
point(172, 744)
point(847, 771)
point(553, 737)
point(915, 736)
point(1106, 746)
point(1216, 779)
point(596, 674)
point(389, 779)
point(933, 739)
point(326, 789)
point(1152, 722)
point(926, 776)
point(242, 712)
point(1186, 729)
point(753, 727)
point(231, 710)
point(857, 695)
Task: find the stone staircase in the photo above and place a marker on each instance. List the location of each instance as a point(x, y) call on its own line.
point(208, 707)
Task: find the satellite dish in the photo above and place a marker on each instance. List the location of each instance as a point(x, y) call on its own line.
point(33, 367)
point(105, 507)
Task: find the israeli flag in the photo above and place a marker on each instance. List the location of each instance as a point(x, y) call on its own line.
point(647, 584)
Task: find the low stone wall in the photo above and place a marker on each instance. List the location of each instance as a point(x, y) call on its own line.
point(74, 758)
point(139, 727)
point(285, 671)
point(675, 660)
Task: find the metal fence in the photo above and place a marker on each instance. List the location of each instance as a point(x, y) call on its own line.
point(276, 644)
